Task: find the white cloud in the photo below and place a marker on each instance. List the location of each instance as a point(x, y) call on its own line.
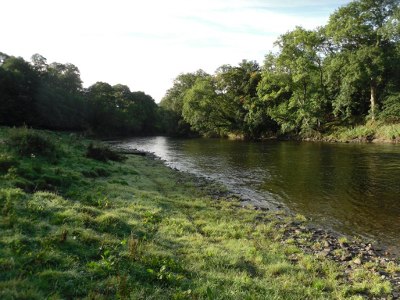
point(146, 44)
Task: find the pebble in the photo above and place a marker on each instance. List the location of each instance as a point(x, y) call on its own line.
point(323, 253)
point(345, 257)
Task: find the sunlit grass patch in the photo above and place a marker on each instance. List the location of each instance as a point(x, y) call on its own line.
point(368, 132)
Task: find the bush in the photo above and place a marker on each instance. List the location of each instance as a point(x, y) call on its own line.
point(27, 142)
point(102, 153)
point(391, 109)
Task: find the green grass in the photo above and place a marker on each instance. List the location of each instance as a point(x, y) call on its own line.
point(369, 132)
point(75, 227)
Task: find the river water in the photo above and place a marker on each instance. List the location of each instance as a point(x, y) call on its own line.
point(351, 188)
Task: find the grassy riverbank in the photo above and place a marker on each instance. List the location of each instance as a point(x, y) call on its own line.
point(371, 132)
point(77, 227)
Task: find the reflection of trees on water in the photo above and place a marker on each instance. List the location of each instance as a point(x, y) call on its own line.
point(352, 187)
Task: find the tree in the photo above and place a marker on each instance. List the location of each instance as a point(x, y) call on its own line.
point(362, 44)
point(172, 104)
point(66, 76)
point(292, 82)
point(203, 108)
point(51, 96)
point(238, 84)
point(3, 57)
point(59, 99)
point(18, 84)
point(102, 107)
point(117, 110)
point(39, 63)
point(145, 111)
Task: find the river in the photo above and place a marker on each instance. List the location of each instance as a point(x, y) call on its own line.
point(351, 188)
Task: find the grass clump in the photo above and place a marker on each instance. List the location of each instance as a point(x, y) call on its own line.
point(28, 142)
point(367, 133)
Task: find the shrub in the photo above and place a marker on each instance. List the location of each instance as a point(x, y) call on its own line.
point(391, 109)
point(102, 153)
point(27, 142)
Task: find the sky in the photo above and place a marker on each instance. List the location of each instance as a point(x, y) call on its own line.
point(146, 44)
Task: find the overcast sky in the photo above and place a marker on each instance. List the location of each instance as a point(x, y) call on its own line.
point(146, 44)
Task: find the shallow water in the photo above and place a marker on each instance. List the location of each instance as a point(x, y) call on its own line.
point(351, 188)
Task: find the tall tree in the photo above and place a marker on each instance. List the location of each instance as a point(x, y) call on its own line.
point(292, 82)
point(39, 63)
point(172, 104)
point(239, 85)
point(206, 110)
point(18, 84)
point(59, 99)
point(117, 110)
point(361, 51)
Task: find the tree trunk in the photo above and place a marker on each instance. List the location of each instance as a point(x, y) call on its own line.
point(373, 99)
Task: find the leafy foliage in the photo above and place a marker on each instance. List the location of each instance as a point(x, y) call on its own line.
point(172, 104)
point(342, 73)
point(292, 84)
point(51, 96)
point(391, 109)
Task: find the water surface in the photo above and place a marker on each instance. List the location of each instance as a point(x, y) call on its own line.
point(351, 188)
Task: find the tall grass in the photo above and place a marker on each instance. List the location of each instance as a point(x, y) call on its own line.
point(27, 142)
point(372, 131)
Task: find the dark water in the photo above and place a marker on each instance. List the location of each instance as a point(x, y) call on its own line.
point(351, 188)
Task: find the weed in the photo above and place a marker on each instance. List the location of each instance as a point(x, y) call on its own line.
point(63, 236)
point(103, 202)
point(300, 218)
point(343, 240)
point(134, 247)
point(392, 268)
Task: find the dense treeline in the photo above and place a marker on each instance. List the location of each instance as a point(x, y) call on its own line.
point(345, 73)
point(51, 96)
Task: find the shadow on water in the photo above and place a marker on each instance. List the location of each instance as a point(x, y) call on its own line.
point(352, 188)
